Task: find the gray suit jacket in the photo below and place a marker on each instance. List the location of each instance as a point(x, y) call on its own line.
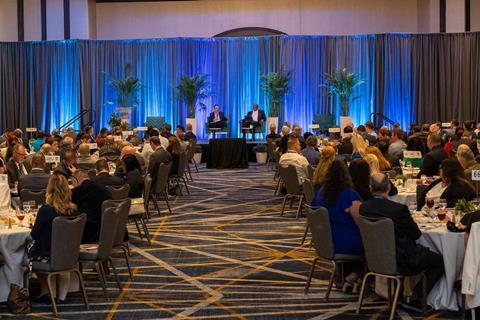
point(159, 156)
point(86, 162)
point(13, 173)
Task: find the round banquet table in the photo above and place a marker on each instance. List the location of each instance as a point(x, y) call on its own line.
point(452, 247)
point(404, 197)
point(12, 247)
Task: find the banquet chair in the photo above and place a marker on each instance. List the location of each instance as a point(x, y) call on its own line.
point(277, 173)
point(308, 193)
point(189, 154)
point(294, 190)
point(119, 193)
point(180, 174)
point(378, 237)
point(30, 195)
point(100, 253)
point(66, 238)
point(191, 158)
point(159, 187)
point(271, 153)
point(123, 210)
point(139, 211)
point(319, 223)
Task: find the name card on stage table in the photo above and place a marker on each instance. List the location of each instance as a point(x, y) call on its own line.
point(334, 130)
point(445, 124)
point(142, 128)
point(314, 126)
point(412, 154)
point(127, 133)
point(52, 159)
point(31, 129)
point(117, 138)
point(3, 178)
point(476, 175)
point(92, 146)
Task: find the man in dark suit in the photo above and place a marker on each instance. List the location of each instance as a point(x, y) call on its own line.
point(36, 179)
point(89, 196)
point(217, 119)
point(189, 135)
point(103, 175)
point(254, 118)
point(412, 258)
point(159, 155)
point(16, 166)
point(67, 166)
point(433, 159)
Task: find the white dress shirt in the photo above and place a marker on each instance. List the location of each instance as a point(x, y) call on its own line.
point(255, 116)
point(298, 161)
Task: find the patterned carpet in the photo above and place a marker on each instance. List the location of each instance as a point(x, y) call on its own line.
point(225, 253)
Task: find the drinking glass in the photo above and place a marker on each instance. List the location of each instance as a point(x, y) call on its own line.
point(441, 214)
point(412, 206)
point(430, 202)
point(442, 203)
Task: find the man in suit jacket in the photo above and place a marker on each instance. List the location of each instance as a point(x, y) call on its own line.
point(254, 118)
point(160, 155)
point(16, 166)
point(85, 161)
point(103, 175)
point(217, 119)
point(433, 159)
point(36, 179)
point(89, 196)
point(412, 258)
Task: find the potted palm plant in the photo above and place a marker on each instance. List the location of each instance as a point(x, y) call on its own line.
point(276, 85)
point(341, 84)
point(191, 91)
point(127, 93)
point(261, 153)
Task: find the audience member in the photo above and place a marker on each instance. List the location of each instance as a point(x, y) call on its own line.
point(412, 258)
point(16, 166)
point(133, 176)
point(66, 146)
point(189, 135)
point(159, 155)
point(360, 172)
point(67, 166)
point(57, 203)
point(383, 163)
point(135, 138)
point(433, 159)
point(36, 179)
point(310, 152)
point(273, 132)
point(175, 150)
point(397, 145)
point(294, 158)
point(374, 165)
point(104, 177)
point(326, 160)
point(359, 146)
point(467, 159)
point(109, 150)
point(85, 161)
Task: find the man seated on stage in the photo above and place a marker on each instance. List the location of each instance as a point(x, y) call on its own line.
point(254, 118)
point(217, 119)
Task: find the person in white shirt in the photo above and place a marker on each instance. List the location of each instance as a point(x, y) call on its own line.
point(147, 148)
point(294, 158)
point(254, 119)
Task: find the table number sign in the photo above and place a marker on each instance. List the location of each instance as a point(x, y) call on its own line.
point(314, 126)
point(412, 154)
point(52, 159)
point(476, 175)
point(117, 138)
point(334, 130)
point(142, 128)
point(127, 133)
point(446, 124)
point(31, 129)
point(92, 146)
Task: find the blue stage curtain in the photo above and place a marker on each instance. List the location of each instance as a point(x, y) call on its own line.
point(409, 78)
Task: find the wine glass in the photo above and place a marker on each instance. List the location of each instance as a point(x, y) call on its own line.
point(412, 206)
point(21, 214)
point(26, 207)
point(430, 202)
point(442, 203)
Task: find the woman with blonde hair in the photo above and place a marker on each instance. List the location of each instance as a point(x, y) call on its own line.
point(374, 165)
point(326, 159)
point(359, 146)
point(58, 202)
point(383, 163)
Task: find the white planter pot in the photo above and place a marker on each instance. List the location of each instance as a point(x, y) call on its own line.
point(261, 157)
point(344, 121)
point(193, 122)
point(197, 157)
point(273, 120)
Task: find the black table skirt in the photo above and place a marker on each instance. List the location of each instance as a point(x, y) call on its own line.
point(227, 153)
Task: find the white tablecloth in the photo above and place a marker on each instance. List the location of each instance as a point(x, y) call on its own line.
point(452, 247)
point(12, 247)
point(404, 197)
point(4, 196)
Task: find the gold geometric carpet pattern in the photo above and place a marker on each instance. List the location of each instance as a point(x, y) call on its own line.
point(224, 253)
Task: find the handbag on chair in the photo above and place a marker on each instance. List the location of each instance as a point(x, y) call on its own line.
point(18, 300)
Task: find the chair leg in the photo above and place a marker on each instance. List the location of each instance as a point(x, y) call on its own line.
point(117, 279)
point(307, 227)
point(125, 253)
point(291, 202)
point(195, 163)
point(389, 288)
point(186, 186)
point(398, 286)
point(424, 293)
point(283, 206)
point(82, 287)
point(145, 230)
point(167, 202)
point(310, 275)
point(277, 189)
point(300, 204)
point(362, 292)
point(138, 227)
point(189, 172)
point(101, 278)
point(330, 282)
point(155, 203)
point(50, 292)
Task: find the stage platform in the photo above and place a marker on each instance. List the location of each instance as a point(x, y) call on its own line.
point(250, 145)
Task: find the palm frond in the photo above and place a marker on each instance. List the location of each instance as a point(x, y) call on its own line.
point(341, 84)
